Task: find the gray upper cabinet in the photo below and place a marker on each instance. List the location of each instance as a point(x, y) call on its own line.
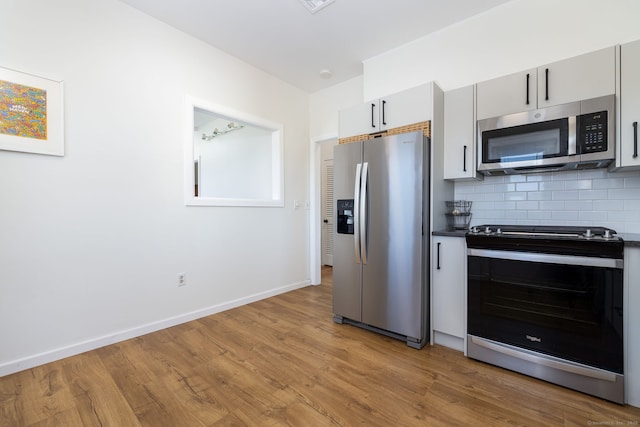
point(629, 116)
point(582, 77)
point(400, 109)
point(460, 150)
point(505, 95)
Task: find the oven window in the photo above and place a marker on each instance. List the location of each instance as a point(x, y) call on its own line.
point(527, 142)
point(567, 311)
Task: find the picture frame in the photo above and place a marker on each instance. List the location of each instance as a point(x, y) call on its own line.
point(31, 113)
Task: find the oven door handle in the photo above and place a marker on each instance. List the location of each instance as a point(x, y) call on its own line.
point(548, 258)
point(561, 365)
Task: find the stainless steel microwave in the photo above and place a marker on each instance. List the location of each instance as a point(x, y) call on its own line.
point(578, 135)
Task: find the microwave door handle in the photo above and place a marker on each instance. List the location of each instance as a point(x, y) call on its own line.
point(573, 138)
point(528, 88)
point(356, 212)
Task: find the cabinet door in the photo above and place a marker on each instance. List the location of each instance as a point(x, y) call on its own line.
point(361, 119)
point(449, 283)
point(505, 95)
point(627, 153)
point(583, 77)
point(460, 147)
point(407, 107)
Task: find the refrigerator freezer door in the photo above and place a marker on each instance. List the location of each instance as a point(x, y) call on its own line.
point(392, 288)
point(347, 298)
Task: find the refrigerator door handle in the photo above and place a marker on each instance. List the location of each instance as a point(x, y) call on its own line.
point(356, 212)
point(363, 212)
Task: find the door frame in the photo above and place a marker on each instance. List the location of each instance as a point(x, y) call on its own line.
point(315, 213)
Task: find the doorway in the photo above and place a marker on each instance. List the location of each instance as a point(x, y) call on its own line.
point(321, 241)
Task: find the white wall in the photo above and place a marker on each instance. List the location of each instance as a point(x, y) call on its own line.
point(325, 104)
point(92, 242)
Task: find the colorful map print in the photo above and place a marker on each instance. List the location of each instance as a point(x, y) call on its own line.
point(23, 110)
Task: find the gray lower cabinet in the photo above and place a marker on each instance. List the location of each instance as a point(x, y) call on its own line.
point(448, 284)
point(632, 324)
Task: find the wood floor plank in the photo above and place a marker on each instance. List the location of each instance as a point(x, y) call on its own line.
point(283, 361)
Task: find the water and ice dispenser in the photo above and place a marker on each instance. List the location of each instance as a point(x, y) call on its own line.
point(345, 216)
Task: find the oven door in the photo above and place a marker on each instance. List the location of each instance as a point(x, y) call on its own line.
point(568, 307)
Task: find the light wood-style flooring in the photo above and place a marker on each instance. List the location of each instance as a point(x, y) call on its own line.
point(282, 361)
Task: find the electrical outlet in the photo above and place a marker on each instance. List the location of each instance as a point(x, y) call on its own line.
point(182, 279)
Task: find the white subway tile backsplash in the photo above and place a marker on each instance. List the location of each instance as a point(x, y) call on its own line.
point(539, 215)
point(632, 206)
point(578, 184)
point(608, 183)
point(624, 194)
point(609, 205)
point(564, 176)
point(527, 186)
point(539, 195)
point(527, 206)
point(502, 188)
point(569, 215)
point(551, 185)
point(589, 197)
point(580, 205)
point(515, 195)
point(554, 205)
point(633, 182)
point(593, 194)
point(494, 196)
point(592, 174)
point(593, 216)
point(513, 178)
point(565, 195)
point(516, 215)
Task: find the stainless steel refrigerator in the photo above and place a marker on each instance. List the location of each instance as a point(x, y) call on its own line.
point(380, 271)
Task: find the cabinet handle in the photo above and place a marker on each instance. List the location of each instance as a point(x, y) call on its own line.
point(373, 106)
point(635, 139)
point(384, 122)
point(546, 84)
point(464, 159)
point(528, 88)
point(438, 256)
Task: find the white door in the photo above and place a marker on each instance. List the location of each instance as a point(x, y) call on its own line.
point(327, 211)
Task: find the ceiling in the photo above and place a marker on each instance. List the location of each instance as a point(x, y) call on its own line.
point(282, 38)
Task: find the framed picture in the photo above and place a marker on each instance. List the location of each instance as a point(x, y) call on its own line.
point(31, 113)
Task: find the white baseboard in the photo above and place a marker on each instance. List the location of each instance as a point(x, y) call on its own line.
point(93, 343)
point(447, 340)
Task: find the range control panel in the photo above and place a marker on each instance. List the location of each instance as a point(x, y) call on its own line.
point(592, 132)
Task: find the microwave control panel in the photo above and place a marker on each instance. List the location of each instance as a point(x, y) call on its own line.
point(592, 132)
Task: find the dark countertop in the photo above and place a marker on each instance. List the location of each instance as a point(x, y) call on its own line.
point(630, 239)
point(450, 233)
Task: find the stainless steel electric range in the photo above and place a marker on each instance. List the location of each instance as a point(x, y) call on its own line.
point(547, 301)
